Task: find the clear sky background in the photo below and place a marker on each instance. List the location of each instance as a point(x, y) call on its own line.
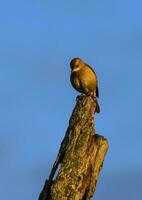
point(38, 38)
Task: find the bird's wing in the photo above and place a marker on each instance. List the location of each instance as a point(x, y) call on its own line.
point(97, 88)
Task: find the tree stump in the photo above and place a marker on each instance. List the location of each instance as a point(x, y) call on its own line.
point(80, 157)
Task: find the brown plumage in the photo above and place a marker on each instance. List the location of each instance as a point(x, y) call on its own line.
point(84, 79)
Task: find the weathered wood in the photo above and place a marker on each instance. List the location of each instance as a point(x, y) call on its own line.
point(81, 156)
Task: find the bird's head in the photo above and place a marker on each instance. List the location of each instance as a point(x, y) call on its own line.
point(76, 64)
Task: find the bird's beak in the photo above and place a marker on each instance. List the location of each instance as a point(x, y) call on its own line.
point(76, 69)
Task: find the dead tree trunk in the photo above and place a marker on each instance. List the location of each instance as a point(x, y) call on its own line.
point(81, 157)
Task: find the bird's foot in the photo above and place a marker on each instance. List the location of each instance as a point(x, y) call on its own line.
point(79, 96)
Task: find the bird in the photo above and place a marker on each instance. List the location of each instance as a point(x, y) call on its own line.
point(83, 78)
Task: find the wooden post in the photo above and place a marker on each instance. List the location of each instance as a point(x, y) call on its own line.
point(80, 157)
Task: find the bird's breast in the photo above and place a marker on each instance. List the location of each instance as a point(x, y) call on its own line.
point(75, 81)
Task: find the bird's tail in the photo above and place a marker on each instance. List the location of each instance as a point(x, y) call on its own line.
point(97, 105)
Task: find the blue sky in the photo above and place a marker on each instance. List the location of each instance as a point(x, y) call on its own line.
point(38, 39)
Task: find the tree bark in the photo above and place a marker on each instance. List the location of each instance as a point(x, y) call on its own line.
point(80, 157)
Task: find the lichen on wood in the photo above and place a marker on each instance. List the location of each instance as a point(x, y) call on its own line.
point(81, 157)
